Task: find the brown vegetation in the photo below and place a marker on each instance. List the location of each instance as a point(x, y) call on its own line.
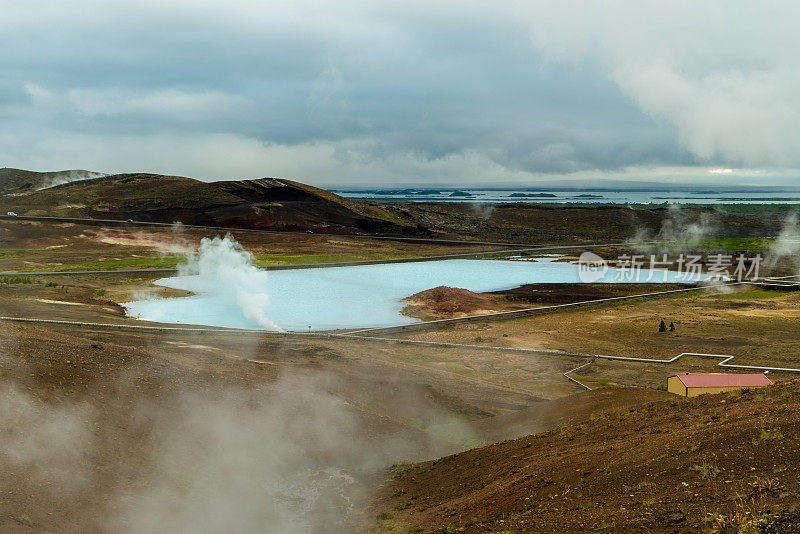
point(706, 464)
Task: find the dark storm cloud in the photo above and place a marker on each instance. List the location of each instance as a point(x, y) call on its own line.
point(329, 92)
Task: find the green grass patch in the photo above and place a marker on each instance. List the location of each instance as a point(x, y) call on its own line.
point(768, 434)
point(15, 253)
point(16, 280)
point(170, 262)
point(299, 259)
point(152, 262)
point(737, 243)
point(722, 244)
point(755, 293)
point(706, 469)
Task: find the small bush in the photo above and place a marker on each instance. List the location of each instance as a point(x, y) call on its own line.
point(771, 434)
point(15, 280)
point(706, 469)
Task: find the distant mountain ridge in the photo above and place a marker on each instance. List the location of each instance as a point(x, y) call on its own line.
point(267, 203)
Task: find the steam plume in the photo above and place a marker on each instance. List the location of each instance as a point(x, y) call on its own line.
point(68, 177)
point(222, 265)
point(787, 244)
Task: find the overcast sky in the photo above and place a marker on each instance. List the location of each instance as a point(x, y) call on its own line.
point(374, 92)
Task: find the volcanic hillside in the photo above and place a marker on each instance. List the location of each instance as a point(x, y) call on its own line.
point(266, 203)
point(14, 181)
point(280, 204)
point(716, 463)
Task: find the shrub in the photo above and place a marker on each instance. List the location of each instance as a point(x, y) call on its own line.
point(706, 469)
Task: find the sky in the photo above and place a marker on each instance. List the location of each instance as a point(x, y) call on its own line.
point(383, 93)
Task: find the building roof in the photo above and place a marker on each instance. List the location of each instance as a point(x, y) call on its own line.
point(720, 380)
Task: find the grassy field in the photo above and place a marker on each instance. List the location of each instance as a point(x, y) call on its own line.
point(171, 262)
point(298, 259)
point(738, 243)
point(722, 244)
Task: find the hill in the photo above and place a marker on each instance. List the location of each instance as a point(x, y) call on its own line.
point(711, 463)
point(266, 203)
point(280, 204)
point(444, 302)
point(14, 181)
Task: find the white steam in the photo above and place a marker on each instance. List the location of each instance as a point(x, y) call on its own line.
point(788, 241)
point(222, 266)
point(282, 460)
point(67, 177)
point(680, 228)
point(484, 210)
point(51, 441)
point(787, 244)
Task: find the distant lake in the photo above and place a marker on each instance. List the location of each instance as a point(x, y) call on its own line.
point(350, 297)
point(566, 197)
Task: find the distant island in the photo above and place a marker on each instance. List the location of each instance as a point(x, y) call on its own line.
point(461, 194)
point(395, 192)
point(532, 195)
point(736, 199)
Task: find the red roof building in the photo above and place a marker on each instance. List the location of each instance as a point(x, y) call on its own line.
point(694, 384)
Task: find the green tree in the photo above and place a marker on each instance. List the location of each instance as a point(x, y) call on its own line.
point(663, 326)
point(671, 326)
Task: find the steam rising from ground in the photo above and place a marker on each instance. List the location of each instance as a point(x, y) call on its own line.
point(162, 245)
point(221, 265)
point(51, 441)
point(284, 458)
point(67, 177)
point(681, 228)
point(484, 210)
point(787, 244)
point(281, 460)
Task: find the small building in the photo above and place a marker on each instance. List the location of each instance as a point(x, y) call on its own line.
point(694, 384)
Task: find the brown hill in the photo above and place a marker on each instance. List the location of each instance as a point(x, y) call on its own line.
point(711, 463)
point(281, 204)
point(14, 181)
point(443, 302)
point(267, 203)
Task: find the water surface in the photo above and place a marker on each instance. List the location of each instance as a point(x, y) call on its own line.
point(348, 297)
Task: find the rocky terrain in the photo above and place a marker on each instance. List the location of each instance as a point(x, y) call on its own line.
point(444, 302)
point(109, 427)
point(717, 463)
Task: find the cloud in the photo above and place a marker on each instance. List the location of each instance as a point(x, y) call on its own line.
point(405, 92)
point(724, 75)
point(111, 103)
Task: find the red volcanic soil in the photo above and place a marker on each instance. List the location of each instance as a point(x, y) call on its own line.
point(715, 463)
point(444, 302)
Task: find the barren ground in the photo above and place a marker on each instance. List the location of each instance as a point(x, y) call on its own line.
point(119, 387)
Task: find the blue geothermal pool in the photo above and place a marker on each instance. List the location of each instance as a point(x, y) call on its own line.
point(340, 297)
